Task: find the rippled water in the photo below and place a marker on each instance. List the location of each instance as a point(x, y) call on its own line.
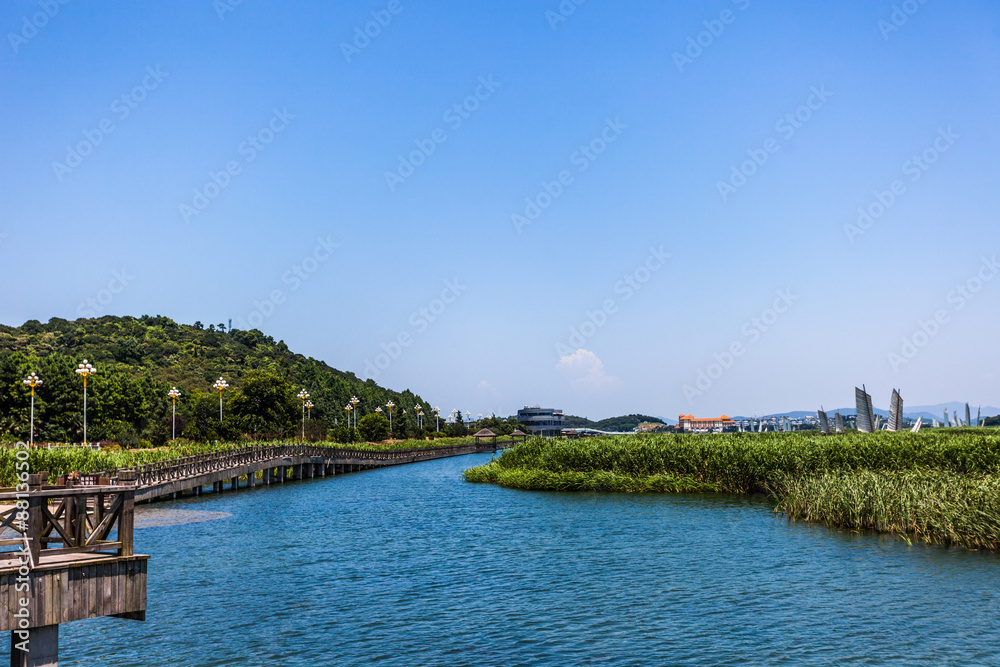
point(411, 565)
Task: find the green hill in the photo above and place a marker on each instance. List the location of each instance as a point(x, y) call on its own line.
point(140, 359)
point(623, 423)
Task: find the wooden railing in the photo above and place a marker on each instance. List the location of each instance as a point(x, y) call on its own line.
point(79, 519)
point(190, 466)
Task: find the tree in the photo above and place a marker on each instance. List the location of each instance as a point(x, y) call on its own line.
point(373, 428)
point(264, 404)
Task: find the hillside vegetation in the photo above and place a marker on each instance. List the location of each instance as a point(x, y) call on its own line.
point(139, 359)
point(623, 423)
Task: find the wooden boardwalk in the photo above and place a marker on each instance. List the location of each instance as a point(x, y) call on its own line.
point(273, 465)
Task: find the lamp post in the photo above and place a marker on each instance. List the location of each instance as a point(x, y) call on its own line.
point(354, 402)
point(303, 395)
point(32, 382)
point(309, 410)
point(437, 425)
point(420, 420)
point(85, 370)
point(220, 385)
point(390, 405)
point(174, 394)
point(348, 408)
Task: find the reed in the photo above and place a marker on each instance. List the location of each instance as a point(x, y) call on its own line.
point(934, 506)
point(939, 486)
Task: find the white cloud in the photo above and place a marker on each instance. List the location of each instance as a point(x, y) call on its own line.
point(488, 391)
point(586, 373)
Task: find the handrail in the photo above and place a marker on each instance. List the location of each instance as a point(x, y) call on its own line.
point(80, 519)
point(190, 466)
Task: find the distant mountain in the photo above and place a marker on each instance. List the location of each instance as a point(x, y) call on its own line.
point(623, 423)
point(928, 412)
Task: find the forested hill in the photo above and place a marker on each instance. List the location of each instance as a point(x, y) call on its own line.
point(138, 360)
point(623, 423)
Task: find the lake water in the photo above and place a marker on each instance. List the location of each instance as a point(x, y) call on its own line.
point(413, 566)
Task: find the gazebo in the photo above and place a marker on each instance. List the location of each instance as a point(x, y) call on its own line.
point(486, 433)
point(519, 434)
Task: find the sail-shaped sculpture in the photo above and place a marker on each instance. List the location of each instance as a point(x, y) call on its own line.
point(968, 416)
point(863, 403)
point(824, 423)
point(916, 427)
point(895, 412)
point(838, 422)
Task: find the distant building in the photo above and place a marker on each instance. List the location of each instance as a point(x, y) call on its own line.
point(540, 421)
point(692, 424)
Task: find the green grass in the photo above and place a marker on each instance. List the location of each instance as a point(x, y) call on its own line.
point(858, 481)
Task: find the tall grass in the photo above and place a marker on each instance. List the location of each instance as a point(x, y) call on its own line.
point(941, 487)
point(745, 462)
point(935, 506)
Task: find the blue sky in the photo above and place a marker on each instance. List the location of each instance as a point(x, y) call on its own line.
point(603, 207)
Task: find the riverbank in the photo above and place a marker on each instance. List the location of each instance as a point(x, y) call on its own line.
point(939, 487)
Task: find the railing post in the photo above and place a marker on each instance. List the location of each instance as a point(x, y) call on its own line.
point(35, 521)
point(126, 522)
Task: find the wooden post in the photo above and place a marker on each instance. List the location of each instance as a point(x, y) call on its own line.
point(126, 524)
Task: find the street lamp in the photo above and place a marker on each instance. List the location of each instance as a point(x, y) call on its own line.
point(420, 420)
point(437, 426)
point(221, 386)
point(85, 370)
point(309, 410)
point(303, 395)
point(354, 402)
point(32, 382)
point(174, 394)
point(348, 408)
point(390, 405)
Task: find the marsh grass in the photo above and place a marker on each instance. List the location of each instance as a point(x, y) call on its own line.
point(941, 487)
